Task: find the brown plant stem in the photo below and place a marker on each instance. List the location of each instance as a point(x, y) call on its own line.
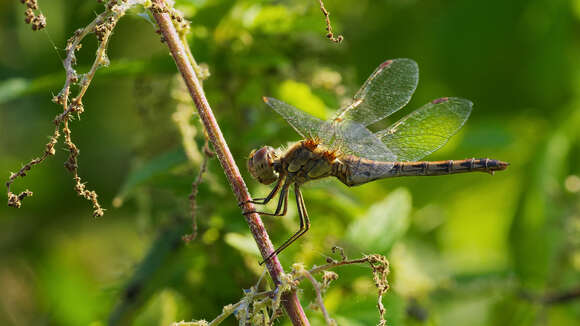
point(330, 34)
point(207, 154)
point(378, 263)
point(178, 51)
point(553, 298)
point(319, 301)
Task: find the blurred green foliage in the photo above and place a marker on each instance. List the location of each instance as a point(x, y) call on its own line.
point(464, 249)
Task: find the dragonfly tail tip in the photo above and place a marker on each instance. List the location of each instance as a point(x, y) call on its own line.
point(503, 165)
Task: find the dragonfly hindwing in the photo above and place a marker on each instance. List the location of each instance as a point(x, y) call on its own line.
point(426, 129)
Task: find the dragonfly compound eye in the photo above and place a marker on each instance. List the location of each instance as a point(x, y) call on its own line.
point(260, 165)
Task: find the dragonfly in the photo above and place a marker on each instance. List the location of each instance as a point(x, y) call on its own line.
point(345, 148)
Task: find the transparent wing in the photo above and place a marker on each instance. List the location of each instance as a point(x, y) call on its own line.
point(351, 137)
point(426, 129)
point(387, 90)
point(354, 138)
point(305, 124)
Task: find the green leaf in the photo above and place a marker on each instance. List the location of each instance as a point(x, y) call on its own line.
point(149, 170)
point(362, 310)
point(275, 19)
point(384, 224)
point(243, 243)
point(300, 95)
point(19, 87)
point(12, 88)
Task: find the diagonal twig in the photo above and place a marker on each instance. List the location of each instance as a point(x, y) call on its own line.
point(179, 53)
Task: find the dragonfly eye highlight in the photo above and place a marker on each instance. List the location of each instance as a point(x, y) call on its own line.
point(261, 165)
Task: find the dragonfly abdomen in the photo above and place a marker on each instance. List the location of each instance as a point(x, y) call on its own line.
point(354, 171)
point(448, 167)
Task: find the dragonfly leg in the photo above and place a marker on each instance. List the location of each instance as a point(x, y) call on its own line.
point(304, 224)
point(265, 200)
point(282, 207)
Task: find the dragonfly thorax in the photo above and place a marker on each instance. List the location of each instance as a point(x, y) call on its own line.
point(261, 165)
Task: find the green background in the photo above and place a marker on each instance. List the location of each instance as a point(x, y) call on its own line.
point(465, 249)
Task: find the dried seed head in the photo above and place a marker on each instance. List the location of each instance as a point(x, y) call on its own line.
point(39, 22)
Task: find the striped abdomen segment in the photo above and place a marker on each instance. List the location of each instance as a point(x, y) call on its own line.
point(448, 167)
point(355, 171)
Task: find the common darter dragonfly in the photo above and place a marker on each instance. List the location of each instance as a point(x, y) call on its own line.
point(344, 147)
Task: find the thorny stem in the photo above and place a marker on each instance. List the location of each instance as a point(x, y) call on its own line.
point(102, 26)
point(179, 53)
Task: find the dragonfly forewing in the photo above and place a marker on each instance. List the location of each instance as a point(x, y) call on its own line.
point(355, 139)
point(426, 129)
point(305, 124)
point(388, 89)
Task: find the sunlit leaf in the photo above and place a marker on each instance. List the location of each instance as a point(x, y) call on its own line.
point(274, 19)
point(474, 237)
point(300, 95)
point(12, 88)
point(384, 223)
point(243, 243)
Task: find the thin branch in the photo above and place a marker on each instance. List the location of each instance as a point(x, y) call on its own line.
point(319, 301)
point(226, 311)
point(563, 297)
point(194, 190)
point(102, 26)
point(554, 298)
point(331, 263)
point(378, 263)
point(179, 53)
point(330, 34)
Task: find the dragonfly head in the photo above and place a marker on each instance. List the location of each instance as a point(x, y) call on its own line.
point(261, 165)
